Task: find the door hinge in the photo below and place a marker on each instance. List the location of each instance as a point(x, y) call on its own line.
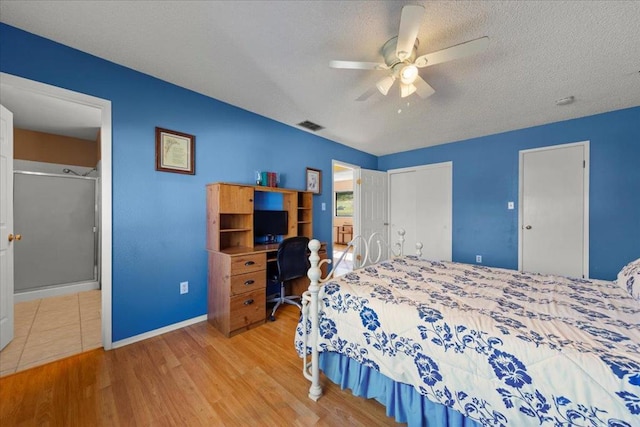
point(358, 181)
point(584, 164)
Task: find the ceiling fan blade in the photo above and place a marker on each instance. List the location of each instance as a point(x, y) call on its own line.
point(356, 65)
point(410, 21)
point(423, 89)
point(367, 94)
point(454, 52)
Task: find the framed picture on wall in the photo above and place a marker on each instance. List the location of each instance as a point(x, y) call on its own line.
point(314, 180)
point(175, 151)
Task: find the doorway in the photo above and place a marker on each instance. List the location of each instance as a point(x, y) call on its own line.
point(46, 95)
point(360, 209)
point(554, 210)
point(343, 215)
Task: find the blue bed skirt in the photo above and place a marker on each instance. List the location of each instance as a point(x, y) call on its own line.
point(402, 401)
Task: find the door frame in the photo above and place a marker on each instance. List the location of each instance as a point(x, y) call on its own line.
point(335, 163)
point(585, 198)
point(106, 229)
point(356, 201)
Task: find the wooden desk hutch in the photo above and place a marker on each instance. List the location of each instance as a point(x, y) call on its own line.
point(237, 276)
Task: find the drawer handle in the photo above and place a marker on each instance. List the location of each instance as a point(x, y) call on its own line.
point(248, 263)
point(248, 302)
point(249, 282)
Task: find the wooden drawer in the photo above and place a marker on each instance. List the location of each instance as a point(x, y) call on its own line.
point(247, 309)
point(246, 263)
point(248, 282)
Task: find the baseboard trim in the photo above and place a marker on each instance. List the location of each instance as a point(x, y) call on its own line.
point(55, 291)
point(159, 331)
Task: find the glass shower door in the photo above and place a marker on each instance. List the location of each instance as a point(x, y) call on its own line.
point(56, 215)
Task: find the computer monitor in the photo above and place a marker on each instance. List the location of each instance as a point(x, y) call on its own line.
point(268, 225)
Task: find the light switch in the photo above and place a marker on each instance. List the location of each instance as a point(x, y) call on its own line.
point(510, 205)
point(324, 206)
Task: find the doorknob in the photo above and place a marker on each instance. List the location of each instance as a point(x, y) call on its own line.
point(528, 227)
point(16, 237)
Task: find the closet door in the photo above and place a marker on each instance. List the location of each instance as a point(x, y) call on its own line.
point(402, 207)
point(554, 188)
point(421, 203)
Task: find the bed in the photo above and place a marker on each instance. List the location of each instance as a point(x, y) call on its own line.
point(450, 344)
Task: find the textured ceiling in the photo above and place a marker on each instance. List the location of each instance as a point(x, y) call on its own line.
point(272, 58)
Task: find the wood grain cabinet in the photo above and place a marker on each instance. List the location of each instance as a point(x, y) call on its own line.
point(236, 291)
point(229, 216)
point(237, 275)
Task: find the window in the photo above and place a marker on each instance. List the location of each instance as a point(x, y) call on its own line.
point(344, 203)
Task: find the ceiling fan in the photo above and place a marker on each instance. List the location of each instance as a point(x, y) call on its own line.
point(402, 62)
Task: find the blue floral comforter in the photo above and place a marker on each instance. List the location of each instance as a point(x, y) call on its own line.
point(500, 346)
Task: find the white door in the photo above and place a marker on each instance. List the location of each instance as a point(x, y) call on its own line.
point(370, 192)
point(402, 205)
point(421, 202)
point(6, 227)
point(554, 210)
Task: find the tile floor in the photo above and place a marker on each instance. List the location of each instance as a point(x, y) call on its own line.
point(52, 328)
point(347, 263)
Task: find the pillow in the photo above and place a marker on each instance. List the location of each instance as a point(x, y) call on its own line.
point(629, 279)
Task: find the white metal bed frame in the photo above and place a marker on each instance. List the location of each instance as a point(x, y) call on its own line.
point(311, 370)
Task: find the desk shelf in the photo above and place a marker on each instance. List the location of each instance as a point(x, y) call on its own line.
point(305, 214)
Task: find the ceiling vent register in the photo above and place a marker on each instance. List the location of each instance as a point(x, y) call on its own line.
point(310, 125)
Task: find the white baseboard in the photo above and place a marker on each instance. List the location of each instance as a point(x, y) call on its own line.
point(55, 291)
point(159, 331)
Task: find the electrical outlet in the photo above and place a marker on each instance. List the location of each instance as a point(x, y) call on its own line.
point(510, 205)
point(184, 288)
point(479, 259)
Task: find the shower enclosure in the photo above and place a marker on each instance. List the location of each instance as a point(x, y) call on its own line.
point(57, 216)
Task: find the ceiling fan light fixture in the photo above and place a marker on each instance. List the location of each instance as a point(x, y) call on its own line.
point(408, 74)
point(406, 90)
point(385, 84)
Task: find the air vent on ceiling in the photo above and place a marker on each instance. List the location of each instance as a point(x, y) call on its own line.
point(310, 125)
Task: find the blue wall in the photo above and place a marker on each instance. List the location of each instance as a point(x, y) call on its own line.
point(485, 178)
point(158, 217)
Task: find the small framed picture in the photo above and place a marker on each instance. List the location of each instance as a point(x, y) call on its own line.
point(175, 151)
point(314, 180)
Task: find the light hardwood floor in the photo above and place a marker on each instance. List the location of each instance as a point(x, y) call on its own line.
point(190, 377)
point(52, 328)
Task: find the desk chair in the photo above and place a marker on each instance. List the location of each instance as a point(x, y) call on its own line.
point(293, 262)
